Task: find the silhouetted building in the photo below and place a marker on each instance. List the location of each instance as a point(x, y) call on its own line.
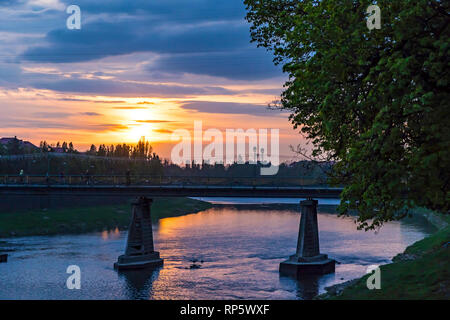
point(26, 146)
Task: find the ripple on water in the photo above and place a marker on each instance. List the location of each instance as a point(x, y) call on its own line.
point(240, 248)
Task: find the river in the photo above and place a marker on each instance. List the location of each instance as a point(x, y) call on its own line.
point(241, 247)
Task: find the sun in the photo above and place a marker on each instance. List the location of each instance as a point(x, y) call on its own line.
point(138, 131)
point(141, 122)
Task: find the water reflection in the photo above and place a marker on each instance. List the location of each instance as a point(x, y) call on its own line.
point(241, 248)
point(308, 287)
point(110, 234)
point(139, 283)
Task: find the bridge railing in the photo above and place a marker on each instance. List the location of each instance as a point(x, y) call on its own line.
point(152, 180)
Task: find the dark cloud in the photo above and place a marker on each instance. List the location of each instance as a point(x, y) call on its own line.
point(91, 114)
point(63, 125)
point(221, 50)
point(179, 11)
point(93, 101)
point(39, 124)
point(111, 87)
point(248, 64)
point(53, 115)
point(274, 92)
point(230, 108)
point(100, 39)
point(201, 37)
point(74, 100)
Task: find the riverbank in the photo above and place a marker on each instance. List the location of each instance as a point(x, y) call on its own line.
point(90, 219)
point(422, 271)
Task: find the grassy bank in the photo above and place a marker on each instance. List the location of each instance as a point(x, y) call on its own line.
point(422, 271)
point(88, 219)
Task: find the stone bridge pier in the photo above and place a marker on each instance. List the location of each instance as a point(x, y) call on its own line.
point(308, 259)
point(139, 252)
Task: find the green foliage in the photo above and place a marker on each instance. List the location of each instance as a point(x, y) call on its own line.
point(374, 101)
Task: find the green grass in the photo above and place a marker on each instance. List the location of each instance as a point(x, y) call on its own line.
point(88, 219)
point(421, 272)
point(427, 245)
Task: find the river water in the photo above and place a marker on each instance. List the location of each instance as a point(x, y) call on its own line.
point(241, 248)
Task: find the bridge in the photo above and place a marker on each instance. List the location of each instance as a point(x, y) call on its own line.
point(165, 186)
point(140, 251)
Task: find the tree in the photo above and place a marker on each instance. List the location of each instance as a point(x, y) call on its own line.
point(101, 150)
point(92, 150)
point(142, 150)
point(44, 146)
point(374, 101)
point(71, 148)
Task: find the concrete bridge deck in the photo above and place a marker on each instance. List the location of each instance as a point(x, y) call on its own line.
point(165, 186)
point(172, 191)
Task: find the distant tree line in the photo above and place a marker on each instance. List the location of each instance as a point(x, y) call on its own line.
point(64, 147)
point(64, 159)
point(139, 159)
point(142, 150)
point(309, 170)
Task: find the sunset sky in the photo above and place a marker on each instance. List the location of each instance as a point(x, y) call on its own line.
point(136, 68)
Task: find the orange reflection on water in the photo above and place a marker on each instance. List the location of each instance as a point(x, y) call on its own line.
point(111, 234)
point(170, 226)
